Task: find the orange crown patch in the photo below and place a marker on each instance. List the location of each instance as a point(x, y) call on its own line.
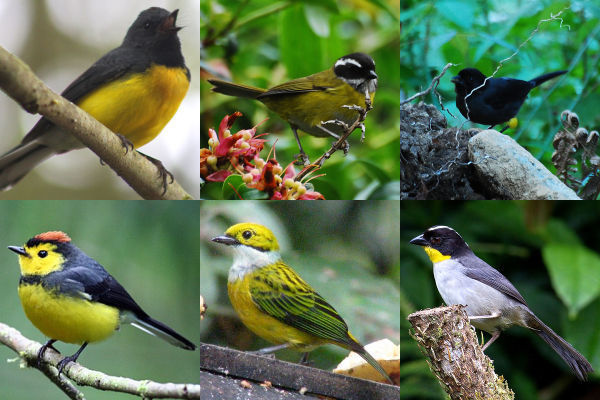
point(53, 236)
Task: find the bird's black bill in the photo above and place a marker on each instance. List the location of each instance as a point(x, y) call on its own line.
point(168, 24)
point(225, 240)
point(19, 250)
point(420, 241)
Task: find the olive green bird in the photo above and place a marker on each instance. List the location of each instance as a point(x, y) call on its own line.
point(275, 303)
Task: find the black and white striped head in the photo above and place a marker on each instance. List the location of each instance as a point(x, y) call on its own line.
point(443, 239)
point(358, 71)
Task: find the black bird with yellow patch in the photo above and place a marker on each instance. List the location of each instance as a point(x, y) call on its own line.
point(71, 298)
point(134, 90)
point(496, 102)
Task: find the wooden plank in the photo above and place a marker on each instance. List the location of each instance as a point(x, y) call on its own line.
point(290, 376)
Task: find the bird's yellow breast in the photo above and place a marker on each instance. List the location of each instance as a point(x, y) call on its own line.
point(65, 318)
point(263, 325)
point(139, 105)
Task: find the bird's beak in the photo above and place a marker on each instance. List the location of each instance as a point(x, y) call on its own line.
point(420, 241)
point(168, 25)
point(19, 250)
point(456, 80)
point(228, 240)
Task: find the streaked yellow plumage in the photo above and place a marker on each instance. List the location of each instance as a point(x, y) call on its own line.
point(275, 303)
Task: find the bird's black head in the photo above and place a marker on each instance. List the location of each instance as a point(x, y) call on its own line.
point(467, 80)
point(443, 239)
point(358, 70)
point(155, 31)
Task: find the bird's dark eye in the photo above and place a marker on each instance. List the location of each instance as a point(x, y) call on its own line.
point(42, 253)
point(247, 234)
point(147, 25)
point(435, 240)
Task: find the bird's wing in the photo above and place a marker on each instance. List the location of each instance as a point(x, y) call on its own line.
point(296, 86)
point(500, 93)
point(112, 66)
point(481, 271)
point(283, 295)
point(94, 284)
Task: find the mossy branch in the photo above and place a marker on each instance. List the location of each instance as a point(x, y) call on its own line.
point(446, 338)
point(22, 85)
point(27, 351)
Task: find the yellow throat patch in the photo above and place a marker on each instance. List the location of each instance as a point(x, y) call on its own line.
point(434, 255)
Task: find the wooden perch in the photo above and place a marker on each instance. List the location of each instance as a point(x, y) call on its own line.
point(446, 337)
point(283, 376)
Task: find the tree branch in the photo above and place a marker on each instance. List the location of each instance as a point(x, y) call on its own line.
point(22, 85)
point(445, 336)
point(27, 350)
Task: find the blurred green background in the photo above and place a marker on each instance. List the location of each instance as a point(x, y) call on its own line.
point(475, 33)
point(59, 40)
point(265, 43)
point(150, 247)
point(346, 250)
point(550, 252)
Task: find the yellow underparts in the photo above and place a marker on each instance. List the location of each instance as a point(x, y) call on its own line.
point(434, 255)
point(67, 319)
point(139, 105)
point(263, 325)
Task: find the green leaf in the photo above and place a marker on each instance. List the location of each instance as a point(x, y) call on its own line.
point(575, 274)
point(318, 20)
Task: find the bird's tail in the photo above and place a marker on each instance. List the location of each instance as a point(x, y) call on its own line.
point(578, 363)
point(543, 78)
point(157, 328)
point(235, 89)
point(356, 347)
point(16, 163)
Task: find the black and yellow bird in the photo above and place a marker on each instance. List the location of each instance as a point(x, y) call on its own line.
point(312, 102)
point(71, 298)
point(134, 90)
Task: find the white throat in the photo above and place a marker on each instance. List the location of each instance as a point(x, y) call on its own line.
point(247, 259)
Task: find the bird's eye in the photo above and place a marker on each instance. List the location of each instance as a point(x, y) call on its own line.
point(42, 253)
point(436, 240)
point(247, 234)
point(147, 25)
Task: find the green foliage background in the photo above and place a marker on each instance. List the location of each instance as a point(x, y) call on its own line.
point(346, 250)
point(150, 247)
point(264, 43)
point(480, 34)
point(549, 251)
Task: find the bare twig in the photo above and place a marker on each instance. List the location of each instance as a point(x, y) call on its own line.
point(434, 84)
point(20, 83)
point(27, 350)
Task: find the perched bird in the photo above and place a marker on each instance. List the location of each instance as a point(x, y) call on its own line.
point(134, 90)
point(492, 302)
point(71, 298)
point(275, 303)
point(307, 103)
point(498, 100)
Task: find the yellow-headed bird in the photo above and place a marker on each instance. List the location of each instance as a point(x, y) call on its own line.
point(71, 298)
point(275, 303)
